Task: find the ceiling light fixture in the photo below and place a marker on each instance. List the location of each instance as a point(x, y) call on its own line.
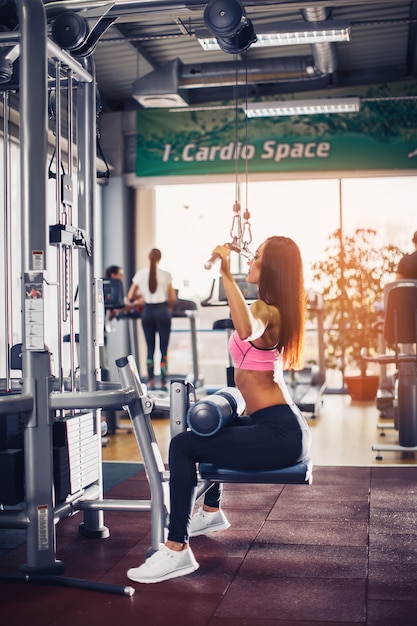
point(302, 107)
point(288, 34)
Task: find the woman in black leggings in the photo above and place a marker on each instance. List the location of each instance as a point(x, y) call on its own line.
point(155, 287)
point(268, 337)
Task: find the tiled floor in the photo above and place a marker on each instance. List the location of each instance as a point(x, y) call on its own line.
point(341, 551)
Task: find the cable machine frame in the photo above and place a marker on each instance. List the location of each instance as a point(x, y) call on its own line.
point(41, 398)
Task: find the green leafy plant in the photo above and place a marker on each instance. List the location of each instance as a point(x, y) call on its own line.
point(351, 277)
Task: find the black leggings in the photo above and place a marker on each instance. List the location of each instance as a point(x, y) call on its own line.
point(156, 318)
point(277, 436)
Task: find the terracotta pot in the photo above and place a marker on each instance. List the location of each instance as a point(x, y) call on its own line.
point(362, 388)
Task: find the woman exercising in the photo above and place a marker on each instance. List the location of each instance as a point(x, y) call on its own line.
point(268, 337)
point(155, 286)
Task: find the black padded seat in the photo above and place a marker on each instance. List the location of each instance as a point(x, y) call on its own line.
point(16, 356)
point(67, 338)
point(181, 307)
point(400, 323)
point(226, 324)
point(299, 474)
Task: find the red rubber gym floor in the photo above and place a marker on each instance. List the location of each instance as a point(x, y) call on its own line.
point(341, 551)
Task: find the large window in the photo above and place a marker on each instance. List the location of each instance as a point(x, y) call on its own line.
point(192, 219)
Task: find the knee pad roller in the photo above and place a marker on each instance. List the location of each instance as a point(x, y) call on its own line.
point(216, 411)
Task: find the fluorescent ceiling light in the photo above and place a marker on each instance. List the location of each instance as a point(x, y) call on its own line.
point(302, 107)
point(288, 34)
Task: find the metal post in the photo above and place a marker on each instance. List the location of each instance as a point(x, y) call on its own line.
point(193, 329)
point(88, 298)
point(35, 358)
point(139, 413)
point(86, 141)
point(179, 403)
point(7, 240)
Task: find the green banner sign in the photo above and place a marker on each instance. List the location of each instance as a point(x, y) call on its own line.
point(382, 136)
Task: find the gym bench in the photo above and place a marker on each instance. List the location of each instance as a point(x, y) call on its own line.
point(298, 474)
point(227, 403)
point(210, 414)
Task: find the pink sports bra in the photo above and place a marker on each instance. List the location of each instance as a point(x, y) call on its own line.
point(246, 356)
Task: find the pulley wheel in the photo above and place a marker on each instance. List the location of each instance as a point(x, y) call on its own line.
point(240, 42)
point(69, 30)
point(223, 17)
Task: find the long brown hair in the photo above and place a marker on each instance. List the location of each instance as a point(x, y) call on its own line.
point(282, 285)
point(154, 258)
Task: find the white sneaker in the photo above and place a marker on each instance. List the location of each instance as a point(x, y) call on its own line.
point(163, 565)
point(205, 522)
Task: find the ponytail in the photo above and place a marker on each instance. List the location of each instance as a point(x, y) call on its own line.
point(154, 258)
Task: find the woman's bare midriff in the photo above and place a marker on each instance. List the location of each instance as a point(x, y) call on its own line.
point(258, 389)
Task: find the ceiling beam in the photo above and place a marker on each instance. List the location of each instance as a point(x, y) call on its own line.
point(138, 7)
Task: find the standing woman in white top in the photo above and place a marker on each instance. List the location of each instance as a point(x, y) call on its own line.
point(155, 286)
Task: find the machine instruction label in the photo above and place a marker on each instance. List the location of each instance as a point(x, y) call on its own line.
point(34, 311)
point(43, 532)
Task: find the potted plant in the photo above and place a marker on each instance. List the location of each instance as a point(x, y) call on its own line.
point(351, 278)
